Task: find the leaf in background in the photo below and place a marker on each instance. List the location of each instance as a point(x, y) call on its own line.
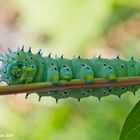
point(131, 128)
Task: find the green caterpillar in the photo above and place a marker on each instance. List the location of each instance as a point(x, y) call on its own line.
point(22, 67)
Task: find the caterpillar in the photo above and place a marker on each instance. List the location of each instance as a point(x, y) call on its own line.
point(23, 67)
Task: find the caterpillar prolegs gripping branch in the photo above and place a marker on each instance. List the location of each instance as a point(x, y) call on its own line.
point(20, 67)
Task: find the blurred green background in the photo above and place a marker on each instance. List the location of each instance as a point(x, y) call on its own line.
point(86, 27)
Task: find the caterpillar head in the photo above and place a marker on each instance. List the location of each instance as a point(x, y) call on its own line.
point(14, 69)
point(20, 73)
point(29, 71)
point(66, 73)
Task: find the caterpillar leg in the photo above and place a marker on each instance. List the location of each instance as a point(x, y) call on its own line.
point(101, 92)
point(79, 94)
point(39, 99)
point(118, 91)
point(26, 96)
point(59, 94)
point(133, 89)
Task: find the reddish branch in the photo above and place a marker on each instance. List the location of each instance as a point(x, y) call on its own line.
point(73, 84)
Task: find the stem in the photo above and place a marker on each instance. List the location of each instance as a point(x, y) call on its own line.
point(64, 85)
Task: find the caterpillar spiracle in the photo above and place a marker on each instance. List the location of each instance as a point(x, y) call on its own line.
point(20, 67)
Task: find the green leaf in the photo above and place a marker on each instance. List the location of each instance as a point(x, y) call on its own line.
point(131, 128)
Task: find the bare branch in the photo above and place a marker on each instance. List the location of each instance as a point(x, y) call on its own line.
point(73, 84)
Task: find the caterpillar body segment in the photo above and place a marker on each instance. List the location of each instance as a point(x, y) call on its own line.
point(102, 69)
point(65, 68)
point(82, 69)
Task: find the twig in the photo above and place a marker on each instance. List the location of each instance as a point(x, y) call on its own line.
point(73, 84)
